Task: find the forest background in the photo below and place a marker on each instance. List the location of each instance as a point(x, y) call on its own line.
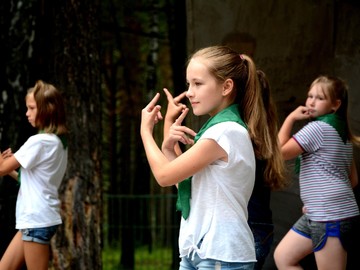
point(109, 57)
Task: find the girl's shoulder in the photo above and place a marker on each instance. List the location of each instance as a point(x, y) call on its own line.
point(226, 128)
point(44, 138)
point(315, 125)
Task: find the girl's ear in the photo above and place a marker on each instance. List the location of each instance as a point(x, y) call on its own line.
point(336, 105)
point(228, 87)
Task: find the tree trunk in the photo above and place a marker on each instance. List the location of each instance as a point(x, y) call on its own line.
point(74, 58)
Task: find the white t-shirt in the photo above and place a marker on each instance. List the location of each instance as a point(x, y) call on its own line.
point(219, 199)
point(43, 161)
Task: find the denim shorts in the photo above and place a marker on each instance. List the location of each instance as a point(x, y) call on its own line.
point(318, 232)
point(39, 235)
point(196, 263)
point(187, 263)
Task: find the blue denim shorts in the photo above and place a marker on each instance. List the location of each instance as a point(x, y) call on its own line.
point(318, 232)
point(39, 235)
point(196, 263)
point(187, 263)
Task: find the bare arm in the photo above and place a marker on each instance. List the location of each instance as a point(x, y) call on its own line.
point(289, 147)
point(8, 166)
point(170, 172)
point(174, 109)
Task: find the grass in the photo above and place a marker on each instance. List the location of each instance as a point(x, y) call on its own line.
point(158, 259)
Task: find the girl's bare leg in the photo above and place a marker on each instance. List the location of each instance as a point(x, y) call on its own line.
point(13, 257)
point(332, 256)
point(291, 249)
point(36, 255)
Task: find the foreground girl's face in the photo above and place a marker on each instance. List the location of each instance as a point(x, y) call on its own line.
point(204, 92)
point(31, 109)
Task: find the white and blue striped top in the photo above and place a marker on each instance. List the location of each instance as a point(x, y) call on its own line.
point(325, 188)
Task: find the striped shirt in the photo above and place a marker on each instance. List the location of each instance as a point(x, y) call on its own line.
point(325, 187)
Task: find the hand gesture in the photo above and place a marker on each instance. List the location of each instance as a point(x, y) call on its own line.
point(178, 133)
point(150, 115)
point(174, 107)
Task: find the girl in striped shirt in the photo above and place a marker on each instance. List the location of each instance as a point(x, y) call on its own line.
point(327, 175)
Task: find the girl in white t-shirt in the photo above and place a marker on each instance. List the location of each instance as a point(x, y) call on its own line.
point(42, 162)
point(215, 177)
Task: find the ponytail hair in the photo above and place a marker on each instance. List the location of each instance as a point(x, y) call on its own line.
point(274, 173)
point(224, 63)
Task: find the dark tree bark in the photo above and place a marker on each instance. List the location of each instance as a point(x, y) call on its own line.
point(75, 61)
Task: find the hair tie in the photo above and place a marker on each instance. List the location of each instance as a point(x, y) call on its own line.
point(241, 57)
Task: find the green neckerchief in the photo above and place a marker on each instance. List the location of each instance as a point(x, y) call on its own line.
point(230, 113)
point(63, 140)
point(337, 123)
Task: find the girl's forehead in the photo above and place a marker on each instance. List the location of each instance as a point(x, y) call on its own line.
point(30, 97)
point(318, 88)
point(196, 67)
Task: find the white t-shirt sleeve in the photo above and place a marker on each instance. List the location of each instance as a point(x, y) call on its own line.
point(232, 133)
point(29, 153)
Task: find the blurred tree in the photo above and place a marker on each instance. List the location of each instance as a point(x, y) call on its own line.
point(109, 58)
point(58, 41)
point(143, 51)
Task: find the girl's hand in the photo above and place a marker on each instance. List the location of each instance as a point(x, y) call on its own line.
point(300, 113)
point(179, 133)
point(7, 153)
point(174, 107)
point(150, 115)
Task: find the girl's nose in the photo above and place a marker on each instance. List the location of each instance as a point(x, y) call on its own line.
point(311, 101)
point(188, 92)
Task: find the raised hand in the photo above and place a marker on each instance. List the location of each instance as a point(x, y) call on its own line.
point(150, 115)
point(174, 107)
point(178, 133)
point(300, 113)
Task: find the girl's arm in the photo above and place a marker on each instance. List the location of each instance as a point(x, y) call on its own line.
point(353, 175)
point(300, 113)
point(174, 109)
point(8, 166)
point(289, 147)
point(14, 174)
point(168, 172)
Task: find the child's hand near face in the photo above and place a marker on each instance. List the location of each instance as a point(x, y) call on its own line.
point(300, 113)
point(179, 133)
point(174, 107)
